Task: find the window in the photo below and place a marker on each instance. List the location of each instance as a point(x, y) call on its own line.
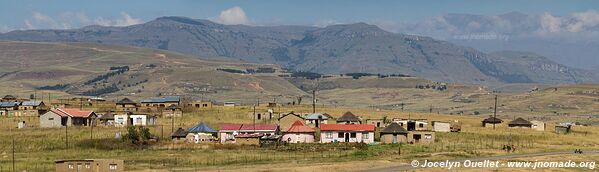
point(112, 166)
point(421, 125)
point(88, 165)
point(428, 136)
point(365, 135)
point(329, 135)
point(71, 166)
point(340, 135)
point(50, 119)
point(352, 135)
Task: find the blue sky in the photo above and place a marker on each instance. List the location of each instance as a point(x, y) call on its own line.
point(35, 14)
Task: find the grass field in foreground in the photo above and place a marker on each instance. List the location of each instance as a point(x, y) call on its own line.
point(36, 149)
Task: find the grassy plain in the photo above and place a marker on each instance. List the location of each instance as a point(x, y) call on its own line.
point(36, 149)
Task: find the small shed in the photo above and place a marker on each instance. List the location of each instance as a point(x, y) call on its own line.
point(394, 134)
point(179, 135)
point(90, 165)
point(538, 125)
point(563, 129)
point(441, 126)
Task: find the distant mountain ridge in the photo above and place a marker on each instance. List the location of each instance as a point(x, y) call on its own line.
point(334, 49)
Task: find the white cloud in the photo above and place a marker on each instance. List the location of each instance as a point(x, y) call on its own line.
point(126, 20)
point(326, 22)
point(550, 23)
point(28, 24)
point(69, 20)
point(233, 16)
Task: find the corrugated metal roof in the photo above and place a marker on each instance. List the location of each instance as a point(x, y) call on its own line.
point(346, 127)
point(162, 100)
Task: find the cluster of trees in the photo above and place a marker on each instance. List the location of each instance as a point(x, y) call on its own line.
point(101, 91)
point(138, 135)
point(261, 70)
point(53, 87)
point(117, 71)
point(124, 68)
point(307, 75)
point(358, 75)
point(232, 70)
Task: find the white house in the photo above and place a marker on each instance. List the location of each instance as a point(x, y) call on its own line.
point(134, 119)
point(347, 133)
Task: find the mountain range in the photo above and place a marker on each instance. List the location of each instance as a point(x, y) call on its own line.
point(336, 49)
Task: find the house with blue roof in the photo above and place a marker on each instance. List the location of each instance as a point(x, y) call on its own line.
point(201, 132)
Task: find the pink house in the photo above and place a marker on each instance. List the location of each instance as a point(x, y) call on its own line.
point(346, 133)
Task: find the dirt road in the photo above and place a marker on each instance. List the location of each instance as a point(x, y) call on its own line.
point(406, 167)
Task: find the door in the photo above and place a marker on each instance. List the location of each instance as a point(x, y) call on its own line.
point(394, 138)
point(346, 137)
point(417, 138)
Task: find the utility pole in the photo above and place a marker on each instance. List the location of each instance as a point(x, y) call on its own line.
point(495, 112)
point(314, 101)
point(254, 118)
point(91, 130)
point(66, 136)
point(13, 153)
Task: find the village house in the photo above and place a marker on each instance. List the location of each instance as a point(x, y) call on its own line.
point(538, 125)
point(491, 121)
point(160, 103)
point(330, 133)
point(123, 120)
point(421, 136)
point(171, 111)
point(298, 132)
point(251, 133)
point(32, 108)
point(9, 98)
point(377, 122)
point(200, 105)
point(127, 105)
point(179, 136)
point(349, 118)
point(394, 133)
point(287, 119)
point(316, 119)
point(201, 133)
point(89, 165)
point(9, 108)
point(520, 123)
point(412, 124)
point(106, 119)
point(227, 132)
point(60, 117)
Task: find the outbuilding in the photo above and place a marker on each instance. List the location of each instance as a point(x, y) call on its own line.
point(394, 134)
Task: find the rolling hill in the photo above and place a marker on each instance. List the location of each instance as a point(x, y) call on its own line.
point(70, 69)
point(336, 49)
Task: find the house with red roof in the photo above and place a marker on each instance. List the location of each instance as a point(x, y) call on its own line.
point(298, 132)
point(330, 133)
point(229, 132)
point(60, 117)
